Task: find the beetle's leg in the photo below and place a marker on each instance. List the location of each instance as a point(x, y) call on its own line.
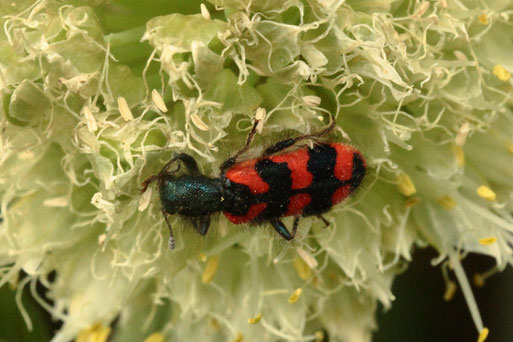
point(202, 224)
point(232, 160)
point(294, 226)
point(281, 229)
point(147, 182)
point(281, 145)
point(186, 159)
point(171, 242)
point(326, 222)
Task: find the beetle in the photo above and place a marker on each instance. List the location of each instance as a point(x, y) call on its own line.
point(303, 182)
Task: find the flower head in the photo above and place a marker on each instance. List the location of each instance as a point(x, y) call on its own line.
point(96, 98)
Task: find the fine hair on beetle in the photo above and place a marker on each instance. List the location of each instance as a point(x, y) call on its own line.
point(305, 175)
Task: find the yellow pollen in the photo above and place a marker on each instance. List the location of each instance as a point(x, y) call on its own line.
point(210, 269)
point(202, 257)
point(410, 202)
point(303, 271)
point(95, 333)
point(155, 337)
point(478, 280)
point(450, 291)
point(459, 155)
point(255, 320)
point(501, 73)
point(446, 202)
point(319, 336)
point(487, 241)
point(239, 337)
point(405, 184)
point(295, 295)
point(483, 19)
point(483, 335)
point(486, 193)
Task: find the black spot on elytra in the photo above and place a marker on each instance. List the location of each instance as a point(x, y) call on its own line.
point(358, 172)
point(321, 165)
point(278, 176)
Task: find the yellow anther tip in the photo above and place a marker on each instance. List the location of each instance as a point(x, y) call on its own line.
point(501, 73)
point(405, 184)
point(483, 19)
point(210, 269)
point(239, 338)
point(319, 336)
point(155, 337)
point(478, 280)
point(446, 202)
point(295, 295)
point(302, 269)
point(96, 332)
point(202, 257)
point(255, 320)
point(483, 335)
point(487, 241)
point(450, 291)
point(486, 193)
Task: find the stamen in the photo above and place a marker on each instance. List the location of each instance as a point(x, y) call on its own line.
point(307, 258)
point(460, 156)
point(204, 11)
point(405, 184)
point(210, 269)
point(303, 271)
point(256, 319)
point(158, 101)
point(501, 73)
point(90, 120)
point(446, 202)
point(124, 110)
point(488, 241)
point(239, 337)
point(155, 337)
point(196, 120)
point(96, 332)
point(319, 336)
point(144, 201)
point(450, 291)
point(483, 19)
point(483, 335)
point(486, 193)
point(295, 295)
point(467, 291)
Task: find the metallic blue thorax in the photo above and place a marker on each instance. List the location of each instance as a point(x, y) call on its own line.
point(191, 195)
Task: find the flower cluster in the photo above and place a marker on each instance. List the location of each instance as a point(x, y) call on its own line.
point(97, 95)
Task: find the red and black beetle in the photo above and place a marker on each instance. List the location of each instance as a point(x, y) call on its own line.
point(302, 182)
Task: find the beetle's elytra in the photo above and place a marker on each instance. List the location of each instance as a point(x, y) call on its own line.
point(302, 182)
